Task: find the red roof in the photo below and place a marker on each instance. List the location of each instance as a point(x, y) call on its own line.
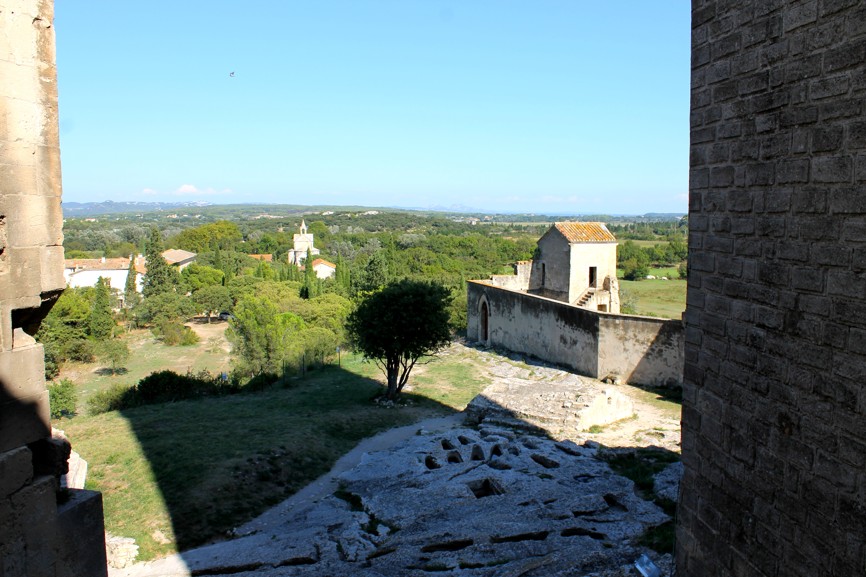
point(319, 261)
point(264, 257)
point(576, 232)
point(119, 263)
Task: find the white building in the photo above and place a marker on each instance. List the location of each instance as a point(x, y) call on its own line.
point(303, 242)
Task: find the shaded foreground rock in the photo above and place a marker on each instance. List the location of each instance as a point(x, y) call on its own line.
point(510, 505)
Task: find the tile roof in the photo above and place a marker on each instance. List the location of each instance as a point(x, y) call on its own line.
point(175, 255)
point(264, 257)
point(576, 232)
point(319, 261)
point(120, 263)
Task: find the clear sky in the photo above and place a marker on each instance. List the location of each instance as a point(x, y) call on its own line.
point(547, 106)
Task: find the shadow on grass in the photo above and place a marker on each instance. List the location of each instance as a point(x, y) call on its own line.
point(219, 462)
point(107, 372)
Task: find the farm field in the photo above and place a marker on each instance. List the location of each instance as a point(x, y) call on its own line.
point(658, 298)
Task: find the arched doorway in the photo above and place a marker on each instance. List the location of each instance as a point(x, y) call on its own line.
point(483, 327)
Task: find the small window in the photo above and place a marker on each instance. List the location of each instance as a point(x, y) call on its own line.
point(593, 276)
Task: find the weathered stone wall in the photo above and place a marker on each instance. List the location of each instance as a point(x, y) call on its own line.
point(37, 537)
point(548, 329)
point(641, 350)
point(774, 414)
point(638, 350)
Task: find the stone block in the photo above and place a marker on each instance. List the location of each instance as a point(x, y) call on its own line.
point(81, 536)
point(22, 373)
point(50, 456)
point(24, 279)
point(51, 266)
point(24, 421)
point(32, 220)
point(37, 504)
point(16, 470)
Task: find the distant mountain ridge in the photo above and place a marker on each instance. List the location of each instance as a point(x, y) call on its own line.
point(111, 207)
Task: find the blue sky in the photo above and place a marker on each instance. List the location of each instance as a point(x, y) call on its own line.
point(560, 107)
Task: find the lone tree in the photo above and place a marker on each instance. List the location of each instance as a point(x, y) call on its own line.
point(398, 325)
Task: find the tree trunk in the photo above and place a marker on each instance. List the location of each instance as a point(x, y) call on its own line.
point(393, 379)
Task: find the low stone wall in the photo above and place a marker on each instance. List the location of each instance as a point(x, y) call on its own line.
point(638, 350)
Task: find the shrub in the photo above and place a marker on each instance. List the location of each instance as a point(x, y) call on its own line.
point(164, 386)
point(80, 350)
point(683, 270)
point(115, 398)
point(173, 333)
point(62, 397)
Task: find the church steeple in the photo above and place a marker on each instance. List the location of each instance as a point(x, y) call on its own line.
point(303, 227)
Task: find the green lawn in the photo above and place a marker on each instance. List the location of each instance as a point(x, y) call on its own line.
point(658, 298)
point(149, 355)
point(177, 475)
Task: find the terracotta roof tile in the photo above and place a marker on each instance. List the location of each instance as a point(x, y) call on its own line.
point(576, 232)
point(319, 261)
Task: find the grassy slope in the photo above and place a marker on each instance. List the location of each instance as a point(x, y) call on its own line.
point(149, 355)
point(192, 470)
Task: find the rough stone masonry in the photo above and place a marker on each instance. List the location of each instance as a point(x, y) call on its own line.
point(774, 414)
point(43, 531)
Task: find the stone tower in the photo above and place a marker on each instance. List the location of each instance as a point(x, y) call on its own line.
point(774, 409)
point(43, 531)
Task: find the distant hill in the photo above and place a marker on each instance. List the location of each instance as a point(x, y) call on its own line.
point(110, 207)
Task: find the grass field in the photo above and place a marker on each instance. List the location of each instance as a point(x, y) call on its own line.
point(148, 355)
point(658, 298)
point(177, 475)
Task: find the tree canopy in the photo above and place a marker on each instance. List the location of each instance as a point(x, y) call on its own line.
point(400, 324)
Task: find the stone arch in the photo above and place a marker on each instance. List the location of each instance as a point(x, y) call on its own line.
point(483, 321)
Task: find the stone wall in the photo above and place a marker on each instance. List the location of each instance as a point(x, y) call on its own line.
point(638, 350)
point(43, 531)
point(774, 413)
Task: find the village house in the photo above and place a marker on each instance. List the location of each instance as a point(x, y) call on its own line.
point(324, 269)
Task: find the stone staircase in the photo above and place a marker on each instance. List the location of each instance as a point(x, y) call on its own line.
point(585, 298)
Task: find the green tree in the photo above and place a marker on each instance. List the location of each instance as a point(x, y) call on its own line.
point(399, 325)
point(164, 307)
point(196, 276)
point(62, 398)
point(634, 269)
point(376, 272)
point(130, 293)
point(310, 287)
point(222, 234)
point(100, 321)
point(212, 299)
point(160, 277)
point(265, 339)
point(115, 353)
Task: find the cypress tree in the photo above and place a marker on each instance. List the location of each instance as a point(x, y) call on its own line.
point(160, 277)
point(100, 321)
point(130, 294)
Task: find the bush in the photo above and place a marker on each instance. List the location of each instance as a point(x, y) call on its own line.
point(173, 333)
point(634, 269)
point(164, 386)
point(80, 350)
point(683, 270)
point(115, 398)
point(62, 397)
